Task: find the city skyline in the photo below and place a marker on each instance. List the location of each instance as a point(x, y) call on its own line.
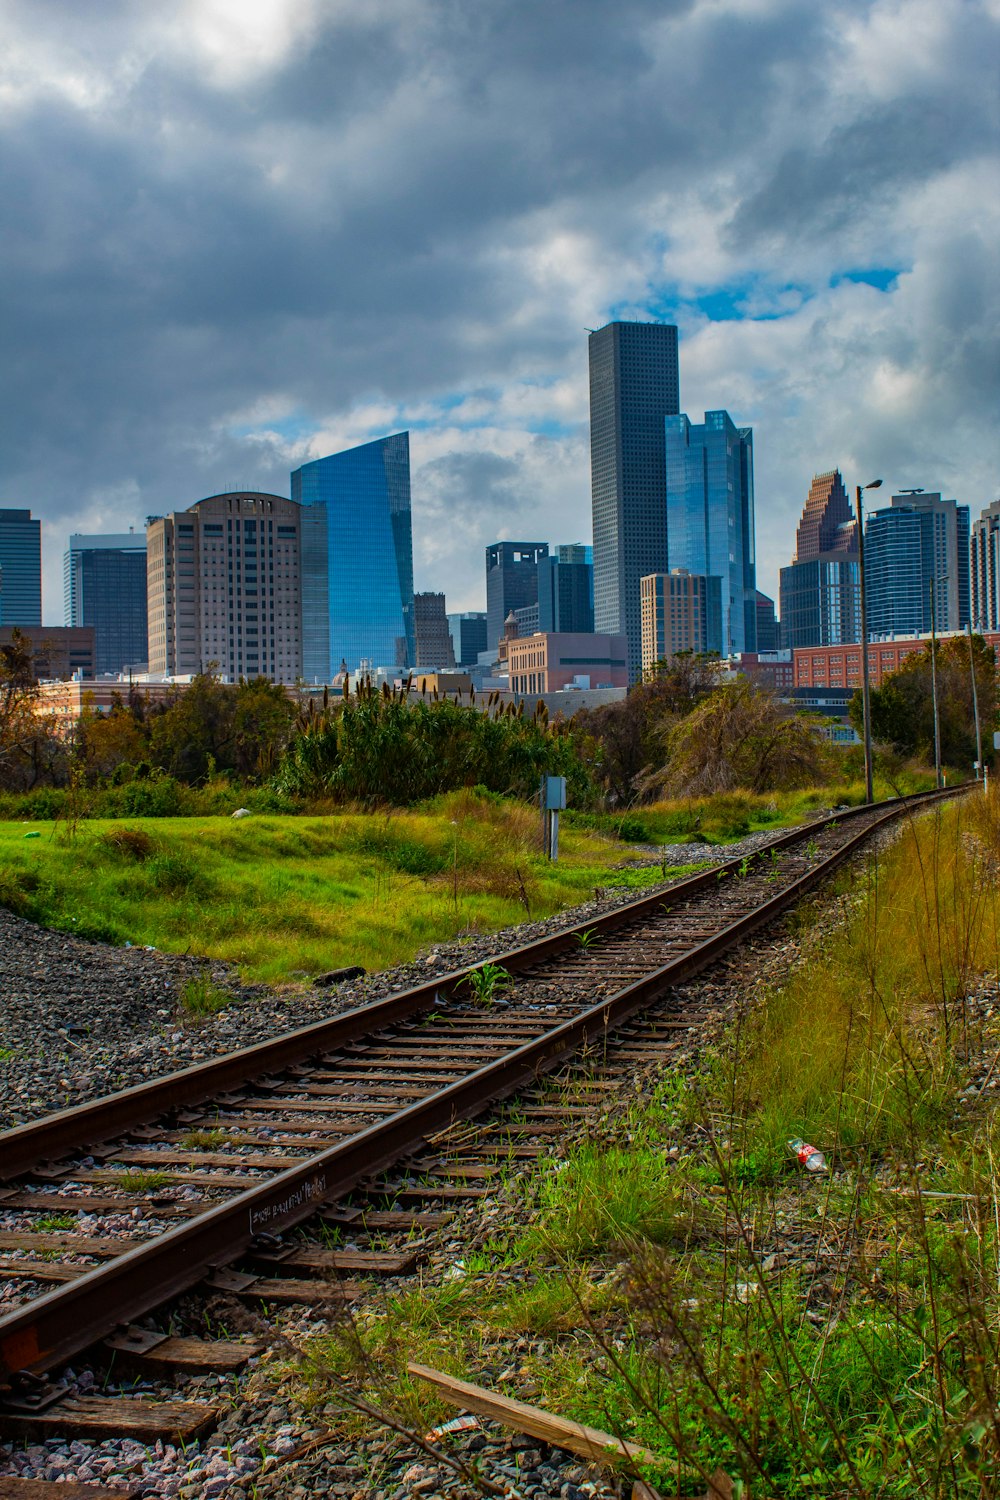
point(245, 236)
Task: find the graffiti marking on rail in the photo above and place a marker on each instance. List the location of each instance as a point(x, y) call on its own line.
point(272, 1213)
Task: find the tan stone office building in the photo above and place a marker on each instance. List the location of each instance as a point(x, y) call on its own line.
point(678, 612)
point(224, 587)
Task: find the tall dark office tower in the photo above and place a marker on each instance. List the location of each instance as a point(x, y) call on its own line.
point(511, 582)
point(468, 634)
point(710, 517)
point(634, 384)
point(919, 538)
point(432, 638)
point(357, 558)
point(104, 585)
point(768, 629)
point(820, 589)
point(566, 590)
point(20, 568)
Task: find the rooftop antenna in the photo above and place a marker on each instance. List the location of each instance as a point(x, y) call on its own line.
point(918, 491)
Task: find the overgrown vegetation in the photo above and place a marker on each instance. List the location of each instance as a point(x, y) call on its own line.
point(289, 896)
point(210, 748)
point(682, 1282)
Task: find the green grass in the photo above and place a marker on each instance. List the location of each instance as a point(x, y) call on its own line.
point(200, 997)
point(286, 895)
point(732, 815)
point(132, 1181)
point(679, 1281)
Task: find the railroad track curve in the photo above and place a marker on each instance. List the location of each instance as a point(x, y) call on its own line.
point(217, 1163)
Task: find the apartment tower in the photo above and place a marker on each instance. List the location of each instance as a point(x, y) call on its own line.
point(223, 588)
point(985, 548)
point(919, 539)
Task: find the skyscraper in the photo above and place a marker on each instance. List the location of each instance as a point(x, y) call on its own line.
point(20, 568)
point(681, 611)
point(985, 547)
point(223, 587)
point(820, 589)
point(768, 630)
point(918, 538)
point(511, 582)
point(433, 646)
point(104, 585)
point(634, 384)
point(468, 634)
point(710, 517)
point(566, 590)
point(357, 558)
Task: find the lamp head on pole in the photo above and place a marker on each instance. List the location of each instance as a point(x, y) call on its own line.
point(876, 484)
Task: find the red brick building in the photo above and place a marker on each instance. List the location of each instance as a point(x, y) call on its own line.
point(840, 666)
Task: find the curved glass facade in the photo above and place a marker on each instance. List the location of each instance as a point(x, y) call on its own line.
point(710, 517)
point(357, 559)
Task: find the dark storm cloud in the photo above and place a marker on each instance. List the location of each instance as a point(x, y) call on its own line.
point(410, 199)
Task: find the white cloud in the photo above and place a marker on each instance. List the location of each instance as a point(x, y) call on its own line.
point(248, 234)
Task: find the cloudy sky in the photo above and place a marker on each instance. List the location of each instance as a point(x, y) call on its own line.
point(244, 233)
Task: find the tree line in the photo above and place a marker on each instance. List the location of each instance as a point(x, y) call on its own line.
point(683, 732)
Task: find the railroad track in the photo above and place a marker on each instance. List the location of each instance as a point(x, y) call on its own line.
point(195, 1180)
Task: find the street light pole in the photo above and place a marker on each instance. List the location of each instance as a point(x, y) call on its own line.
point(934, 696)
point(975, 706)
point(865, 686)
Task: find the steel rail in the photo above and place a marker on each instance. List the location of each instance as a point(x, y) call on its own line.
point(60, 1324)
point(102, 1119)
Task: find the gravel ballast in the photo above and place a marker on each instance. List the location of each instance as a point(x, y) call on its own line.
point(79, 1019)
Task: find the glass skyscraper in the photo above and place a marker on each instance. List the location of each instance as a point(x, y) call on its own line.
point(710, 517)
point(919, 538)
point(104, 585)
point(20, 568)
point(634, 384)
point(566, 590)
point(511, 582)
point(357, 559)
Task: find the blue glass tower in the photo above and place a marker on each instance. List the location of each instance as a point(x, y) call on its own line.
point(20, 568)
point(710, 517)
point(357, 558)
point(104, 582)
point(920, 538)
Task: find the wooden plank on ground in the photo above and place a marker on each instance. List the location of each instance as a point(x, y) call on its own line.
point(71, 1203)
point(589, 1442)
point(99, 1417)
point(375, 1218)
point(156, 1354)
point(312, 1259)
point(66, 1244)
point(40, 1270)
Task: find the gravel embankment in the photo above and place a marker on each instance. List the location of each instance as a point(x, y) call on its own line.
point(81, 1019)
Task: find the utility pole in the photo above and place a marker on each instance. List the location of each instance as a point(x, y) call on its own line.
point(865, 686)
point(937, 721)
point(980, 769)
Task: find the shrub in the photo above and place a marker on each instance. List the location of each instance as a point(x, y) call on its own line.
point(130, 843)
